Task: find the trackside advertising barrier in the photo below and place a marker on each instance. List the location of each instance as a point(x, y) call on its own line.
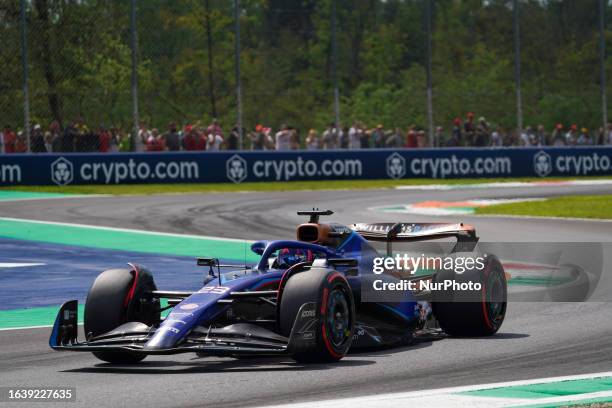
point(238, 167)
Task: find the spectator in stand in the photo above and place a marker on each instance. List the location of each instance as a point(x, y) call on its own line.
point(152, 141)
point(82, 141)
point(191, 138)
point(532, 137)
point(104, 138)
point(378, 136)
point(456, 132)
point(557, 136)
point(608, 138)
point(269, 142)
point(56, 136)
point(214, 128)
point(115, 140)
point(312, 140)
point(330, 137)
point(601, 135)
point(571, 137)
point(481, 137)
point(125, 141)
point(202, 139)
point(343, 138)
point(156, 142)
point(68, 137)
point(394, 139)
point(354, 136)
point(295, 138)
point(512, 138)
point(257, 138)
point(497, 137)
point(48, 142)
point(411, 137)
point(21, 144)
point(151, 145)
point(524, 137)
point(364, 140)
point(584, 139)
point(469, 129)
point(10, 138)
point(37, 140)
point(234, 138)
point(161, 141)
point(422, 139)
point(172, 138)
point(439, 137)
point(541, 138)
point(282, 139)
point(455, 139)
point(215, 141)
point(140, 141)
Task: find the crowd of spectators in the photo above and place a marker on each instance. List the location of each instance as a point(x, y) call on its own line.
point(464, 132)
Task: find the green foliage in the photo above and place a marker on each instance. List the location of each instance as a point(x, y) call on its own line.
point(567, 206)
point(287, 65)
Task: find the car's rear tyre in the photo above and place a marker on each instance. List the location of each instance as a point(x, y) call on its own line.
point(473, 313)
point(118, 296)
point(335, 312)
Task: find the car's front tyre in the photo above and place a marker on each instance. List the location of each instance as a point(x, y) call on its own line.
point(335, 312)
point(118, 296)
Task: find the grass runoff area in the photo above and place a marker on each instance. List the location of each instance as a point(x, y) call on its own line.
point(595, 206)
point(130, 189)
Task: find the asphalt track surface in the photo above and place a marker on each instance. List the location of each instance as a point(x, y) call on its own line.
point(536, 340)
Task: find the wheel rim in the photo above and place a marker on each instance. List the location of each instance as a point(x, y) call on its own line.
point(338, 317)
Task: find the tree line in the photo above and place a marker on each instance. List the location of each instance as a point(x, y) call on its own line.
point(79, 61)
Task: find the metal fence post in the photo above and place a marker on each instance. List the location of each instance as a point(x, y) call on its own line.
point(517, 67)
point(211, 77)
point(602, 62)
point(134, 44)
point(24, 62)
point(238, 84)
point(429, 76)
point(335, 68)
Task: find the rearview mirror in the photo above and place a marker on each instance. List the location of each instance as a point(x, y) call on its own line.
point(207, 261)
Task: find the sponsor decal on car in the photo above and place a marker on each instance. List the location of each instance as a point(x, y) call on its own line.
point(189, 306)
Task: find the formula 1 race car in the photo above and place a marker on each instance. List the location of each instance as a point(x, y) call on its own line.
point(311, 298)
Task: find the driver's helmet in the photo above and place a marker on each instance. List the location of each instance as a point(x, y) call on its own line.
point(288, 257)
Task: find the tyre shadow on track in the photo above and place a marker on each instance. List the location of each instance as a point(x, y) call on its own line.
point(498, 336)
point(194, 366)
point(426, 342)
point(262, 364)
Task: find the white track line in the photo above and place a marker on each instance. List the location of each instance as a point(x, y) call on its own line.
point(18, 265)
point(510, 184)
point(9, 200)
point(135, 231)
point(448, 397)
point(31, 327)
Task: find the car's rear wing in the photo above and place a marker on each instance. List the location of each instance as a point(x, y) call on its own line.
point(406, 232)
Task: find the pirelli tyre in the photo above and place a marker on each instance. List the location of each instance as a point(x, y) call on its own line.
point(335, 312)
point(467, 313)
point(118, 296)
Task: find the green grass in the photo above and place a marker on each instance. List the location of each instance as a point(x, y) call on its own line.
point(123, 189)
point(598, 206)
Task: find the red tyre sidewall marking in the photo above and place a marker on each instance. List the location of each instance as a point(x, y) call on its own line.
point(132, 290)
point(484, 298)
point(326, 341)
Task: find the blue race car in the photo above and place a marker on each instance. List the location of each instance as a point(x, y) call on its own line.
point(313, 298)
